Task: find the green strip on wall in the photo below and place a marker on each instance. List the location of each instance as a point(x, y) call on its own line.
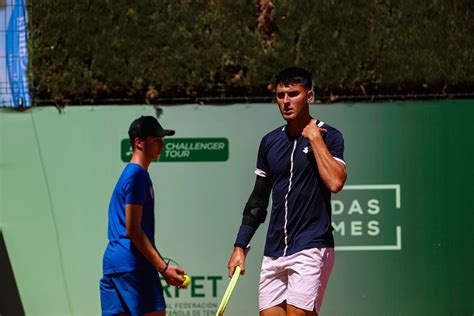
point(186, 150)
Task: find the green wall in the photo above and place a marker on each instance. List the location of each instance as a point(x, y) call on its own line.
point(402, 223)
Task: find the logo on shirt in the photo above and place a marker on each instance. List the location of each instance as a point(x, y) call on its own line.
point(307, 149)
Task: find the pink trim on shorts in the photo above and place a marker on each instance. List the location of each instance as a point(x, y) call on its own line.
point(299, 279)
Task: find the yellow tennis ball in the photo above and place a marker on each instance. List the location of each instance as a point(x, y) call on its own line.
point(186, 281)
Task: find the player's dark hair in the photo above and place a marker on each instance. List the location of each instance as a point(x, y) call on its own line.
point(294, 75)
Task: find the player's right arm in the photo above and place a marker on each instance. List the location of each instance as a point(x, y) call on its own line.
point(134, 231)
point(254, 214)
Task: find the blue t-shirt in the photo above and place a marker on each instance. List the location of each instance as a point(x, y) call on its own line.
point(133, 187)
point(301, 210)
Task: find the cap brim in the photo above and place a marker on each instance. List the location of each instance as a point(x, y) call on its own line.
point(167, 132)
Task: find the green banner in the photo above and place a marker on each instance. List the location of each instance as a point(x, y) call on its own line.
point(186, 150)
point(367, 217)
point(401, 224)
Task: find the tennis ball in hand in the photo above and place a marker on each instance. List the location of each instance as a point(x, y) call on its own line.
point(186, 281)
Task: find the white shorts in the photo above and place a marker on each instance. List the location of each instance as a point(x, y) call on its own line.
point(299, 279)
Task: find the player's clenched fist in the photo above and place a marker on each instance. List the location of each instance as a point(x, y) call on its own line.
point(312, 130)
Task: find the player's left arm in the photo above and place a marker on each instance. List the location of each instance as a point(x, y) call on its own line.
point(332, 172)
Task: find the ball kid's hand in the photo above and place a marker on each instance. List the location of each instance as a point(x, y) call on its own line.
point(174, 275)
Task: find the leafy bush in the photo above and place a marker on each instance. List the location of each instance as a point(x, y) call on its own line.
point(148, 49)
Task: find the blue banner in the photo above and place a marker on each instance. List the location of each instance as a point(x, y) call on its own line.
point(13, 55)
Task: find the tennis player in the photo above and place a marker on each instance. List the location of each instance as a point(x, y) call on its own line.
point(131, 284)
point(300, 164)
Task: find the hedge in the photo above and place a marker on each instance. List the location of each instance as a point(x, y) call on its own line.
point(94, 51)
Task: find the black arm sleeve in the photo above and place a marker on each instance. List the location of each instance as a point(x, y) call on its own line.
point(255, 210)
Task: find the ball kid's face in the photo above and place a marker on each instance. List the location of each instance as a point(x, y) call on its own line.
point(293, 100)
point(152, 146)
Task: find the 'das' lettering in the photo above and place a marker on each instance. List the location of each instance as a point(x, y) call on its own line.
point(338, 207)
